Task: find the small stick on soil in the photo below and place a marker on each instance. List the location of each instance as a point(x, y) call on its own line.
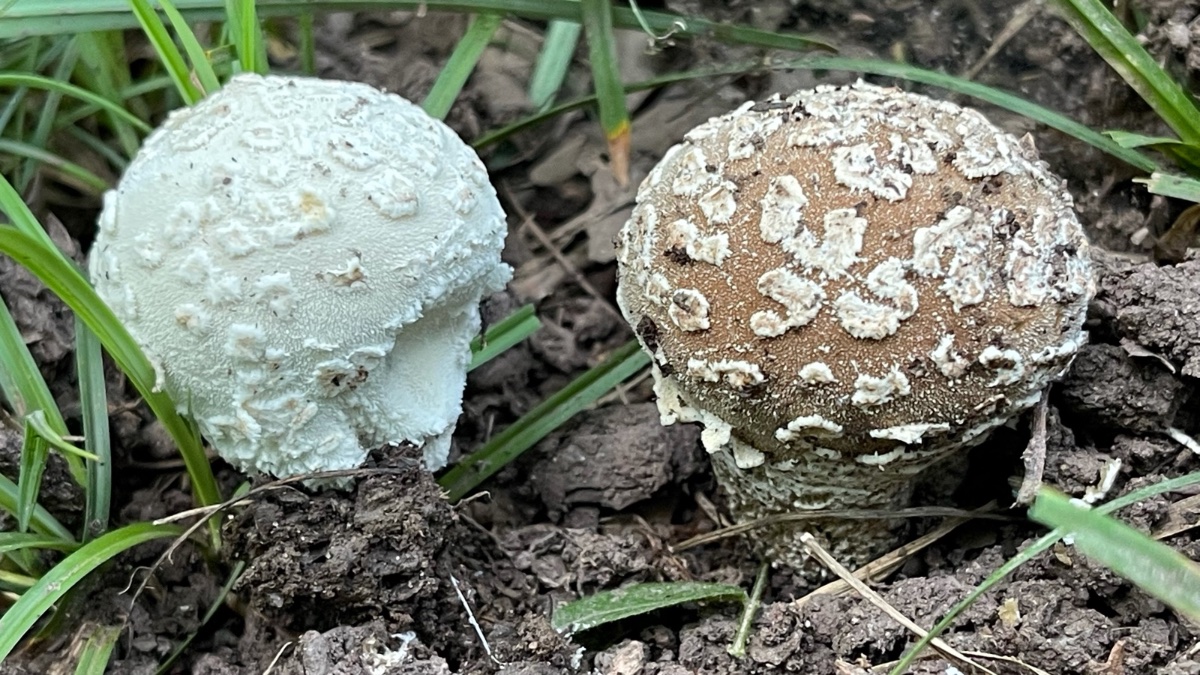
point(278, 655)
point(738, 649)
point(1034, 456)
point(528, 221)
point(474, 624)
point(817, 551)
point(1020, 16)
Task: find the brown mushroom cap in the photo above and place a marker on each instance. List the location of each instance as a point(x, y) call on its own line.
point(857, 272)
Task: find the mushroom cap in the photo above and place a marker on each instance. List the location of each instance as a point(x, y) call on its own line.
point(302, 261)
point(854, 271)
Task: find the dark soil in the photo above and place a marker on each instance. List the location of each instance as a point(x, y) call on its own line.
point(389, 578)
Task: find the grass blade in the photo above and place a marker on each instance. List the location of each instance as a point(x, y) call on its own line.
point(11, 79)
point(201, 65)
point(21, 382)
point(48, 590)
point(1168, 185)
point(500, 337)
point(41, 521)
point(606, 79)
point(73, 174)
point(35, 451)
point(242, 16)
point(103, 70)
point(562, 38)
point(1154, 567)
point(546, 417)
point(1033, 550)
point(460, 65)
point(168, 53)
point(22, 541)
point(93, 660)
point(1109, 38)
point(46, 116)
point(635, 600)
point(53, 439)
point(308, 45)
point(93, 402)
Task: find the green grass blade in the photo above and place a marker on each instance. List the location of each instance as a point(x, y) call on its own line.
point(635, 600)
point(554, 60)
point(606, 80)
point(21, 382)
point(308, 45)
point(1109, 38)
point(1154, 567)
point(500, 337)
point(22, 541)
point(460, 65)
point(64, 576)
point(168, 53)
point(77, 176)
point(55, 440)
point(93, 659)
point(93, 402)
point(243, 21)
point(34, 454)
point(197, 55)
point(1039, 546)
point(11, 79)
point(104, 74)
point(1168, 185)
point(66, 282)
point(546, 417)
point(45, 121)
point(41, 521)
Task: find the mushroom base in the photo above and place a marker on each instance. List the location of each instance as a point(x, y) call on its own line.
point(791, 493)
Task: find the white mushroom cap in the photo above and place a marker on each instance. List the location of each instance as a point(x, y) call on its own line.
point(302, 261)
point(846, 284)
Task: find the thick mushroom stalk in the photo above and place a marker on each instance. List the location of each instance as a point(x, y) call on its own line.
point(302, 261)
point(844, 286)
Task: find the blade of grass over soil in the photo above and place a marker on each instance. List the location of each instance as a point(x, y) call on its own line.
point(12, 79)
point(553, 62)
point(1039, 546)
point(93, 659)
point(242, 17)
point(546, 417)
point(54, 17)
point(41, 521)
point(21, 382)
point(48, 590)
point(606, 80)
point(1168, 185)
point(104, 71)
point(1154, 567)
point(35, 451)
point(462, 62)
point(201, 65)
point(19, 541)
point(499, 338)
point(172, 59)
point(1116, 45)
point(45, 122)
point(635, 600)
point(93, 408)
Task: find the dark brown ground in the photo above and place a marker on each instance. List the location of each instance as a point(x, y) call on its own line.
point(365, 581)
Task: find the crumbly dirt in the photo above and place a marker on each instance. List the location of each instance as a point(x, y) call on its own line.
point(387, 577)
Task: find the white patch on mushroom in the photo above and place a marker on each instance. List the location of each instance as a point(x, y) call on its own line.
point(840, 247)
point(692, 175)
point(182, 224)
point(866, 320)
point(740, 375)
point(718, 204)
point(949, 362)
point(237, 238)
point(816, 372)
point(278, 292)
point(245, 342)
point(872, 392)
point(354, 153)
point(912, 153)
point(658, 288)
point(782, 209)
point(149, 250)
point(880, 459)
point(910, 433)
point(266, 137)
point(192, 317)
point(222, 288)
point(982, 152)
point(1008, 364)
point(808, 426)
point(393, 195)
point(968, 235)
point(352, 275)
point(689, 309)
point(857, 168)
point(712, 249)
point(801, 300)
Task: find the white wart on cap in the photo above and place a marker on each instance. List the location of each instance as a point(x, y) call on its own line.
point(845, 284)
point(302, 260)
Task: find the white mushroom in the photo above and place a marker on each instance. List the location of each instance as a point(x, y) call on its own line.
point(901, 278)
point(302, 261)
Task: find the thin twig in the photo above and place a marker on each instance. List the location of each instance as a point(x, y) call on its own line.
point(817, 551)
point(474, 624)
point(738, 649)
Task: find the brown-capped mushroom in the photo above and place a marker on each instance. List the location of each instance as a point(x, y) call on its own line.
point(844, 286)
